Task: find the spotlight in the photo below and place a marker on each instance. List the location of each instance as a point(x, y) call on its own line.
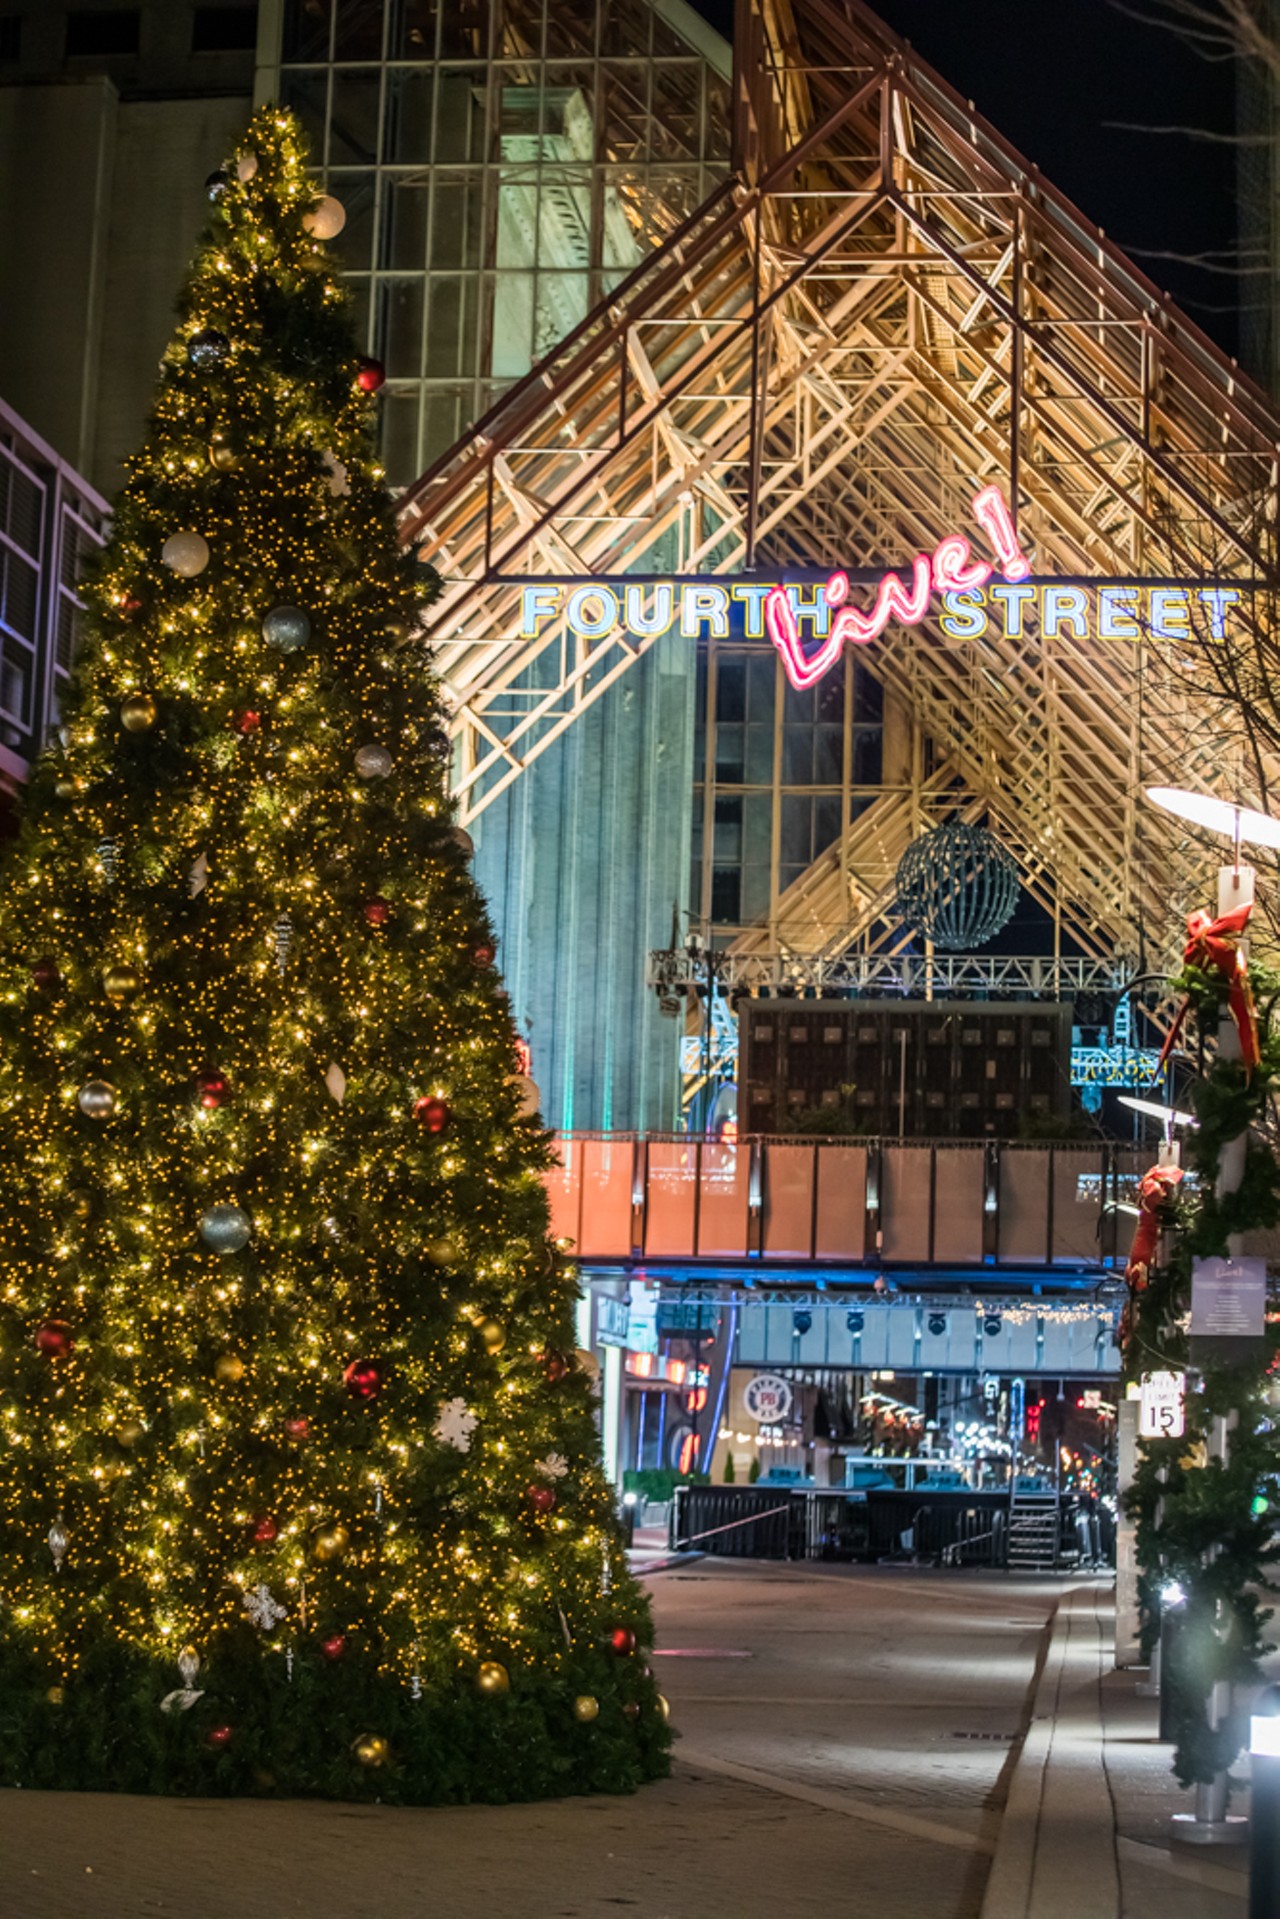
point(937, 1324)
point(856, 1322)
point(991, 1326)
point(801, 1321)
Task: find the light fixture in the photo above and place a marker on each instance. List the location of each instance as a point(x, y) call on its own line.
point(1170, 1115)
point(1238, 823)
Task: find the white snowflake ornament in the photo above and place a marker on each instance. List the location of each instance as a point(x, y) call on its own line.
point(554, 1466)
point(455, 1425)
point(263, 1611)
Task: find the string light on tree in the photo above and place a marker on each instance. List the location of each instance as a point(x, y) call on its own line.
point(280, 1315)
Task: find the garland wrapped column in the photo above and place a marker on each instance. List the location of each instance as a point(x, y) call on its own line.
point(1211, 1531)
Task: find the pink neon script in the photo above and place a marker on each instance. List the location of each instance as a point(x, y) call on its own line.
point(951, 568)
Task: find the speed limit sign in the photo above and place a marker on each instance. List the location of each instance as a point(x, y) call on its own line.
point(1162, 1414)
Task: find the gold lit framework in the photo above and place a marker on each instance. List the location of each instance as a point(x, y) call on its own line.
point(884, 309)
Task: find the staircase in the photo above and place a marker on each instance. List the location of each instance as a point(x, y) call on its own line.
point(1033, 1531)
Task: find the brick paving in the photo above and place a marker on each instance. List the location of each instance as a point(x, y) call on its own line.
point(859, 1800)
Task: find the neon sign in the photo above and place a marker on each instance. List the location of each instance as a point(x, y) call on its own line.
point(811, 624)
point(951, 568)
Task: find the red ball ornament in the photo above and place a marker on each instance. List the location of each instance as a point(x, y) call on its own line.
point(45, 975)
point(298, 1428)
point(554, 1365)
point(247, 723)
point(218, 1737)
point(432, 1114)
point(371, 375)
point(334, 1647)
point(363, 1379)
point(212, 1088)
point(541, 1498)
point(631, 1710)
point(54, 1338)
point(482, 955)
point(622, 1641)
point(265, 1529)
point(377, 910)
point(129, 606)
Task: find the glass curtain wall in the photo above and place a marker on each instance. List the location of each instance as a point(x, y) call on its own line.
point(503, 163)
point(779, 775)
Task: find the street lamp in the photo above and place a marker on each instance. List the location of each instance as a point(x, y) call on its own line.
point(1169, 1116)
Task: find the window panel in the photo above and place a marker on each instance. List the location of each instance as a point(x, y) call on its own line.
point(401, 454)
point(305, 94)
point(399, 327)
point(409, 117)
point(444, 416)
point(405, 205)
point(358, 30)
point(411, 31)
point(457, 220)
point(356, 192)
point(353, 129)
point(306, 29)
point(451, 329)
point(460, 115)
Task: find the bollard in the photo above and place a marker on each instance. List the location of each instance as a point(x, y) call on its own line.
point(628, 1519)
point(1264, 1814)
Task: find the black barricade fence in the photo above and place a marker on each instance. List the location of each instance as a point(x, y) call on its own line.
point(946, 1527)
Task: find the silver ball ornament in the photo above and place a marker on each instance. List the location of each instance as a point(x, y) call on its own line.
point(225, 1229)
point(373, 762)
point(208, 348)
point(97, 1099)
point(286, 628)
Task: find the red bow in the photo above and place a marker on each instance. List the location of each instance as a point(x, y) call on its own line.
point(1214, 946)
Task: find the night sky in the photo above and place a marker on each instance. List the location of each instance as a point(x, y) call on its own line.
point(1054, 76)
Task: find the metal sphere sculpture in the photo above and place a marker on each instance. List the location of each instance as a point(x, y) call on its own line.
point(957, 886)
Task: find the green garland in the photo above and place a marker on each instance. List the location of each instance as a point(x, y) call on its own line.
point(1205, 1524)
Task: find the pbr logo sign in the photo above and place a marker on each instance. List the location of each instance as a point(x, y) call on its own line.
point(768, 1399)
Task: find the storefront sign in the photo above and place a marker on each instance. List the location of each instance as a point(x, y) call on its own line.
point(768, 1398)
point(811, 624)
point(1162, 1412)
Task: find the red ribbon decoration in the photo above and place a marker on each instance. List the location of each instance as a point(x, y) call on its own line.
point(1214, 946)
point(1155, 1189)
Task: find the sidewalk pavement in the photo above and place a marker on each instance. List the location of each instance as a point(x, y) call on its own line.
point(1085, 1827)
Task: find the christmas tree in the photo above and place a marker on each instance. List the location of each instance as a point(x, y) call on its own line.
point(299, 1484)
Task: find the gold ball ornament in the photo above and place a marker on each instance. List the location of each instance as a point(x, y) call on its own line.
point(371, 1749)
point(224, 455)
point(66, 789)
point(396, 630)
point(139, 713)
point(229, 1368)
point(121, 984)
point(492, 1677)
point(129, 1432)
point(586, 1708)
point(442, 1252)
point(664, 1709)
point(330, 1543)
point(493, 1333)
point(56, 1695)
point(326, 218)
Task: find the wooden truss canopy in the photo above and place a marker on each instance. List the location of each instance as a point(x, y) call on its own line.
point(881, 311)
